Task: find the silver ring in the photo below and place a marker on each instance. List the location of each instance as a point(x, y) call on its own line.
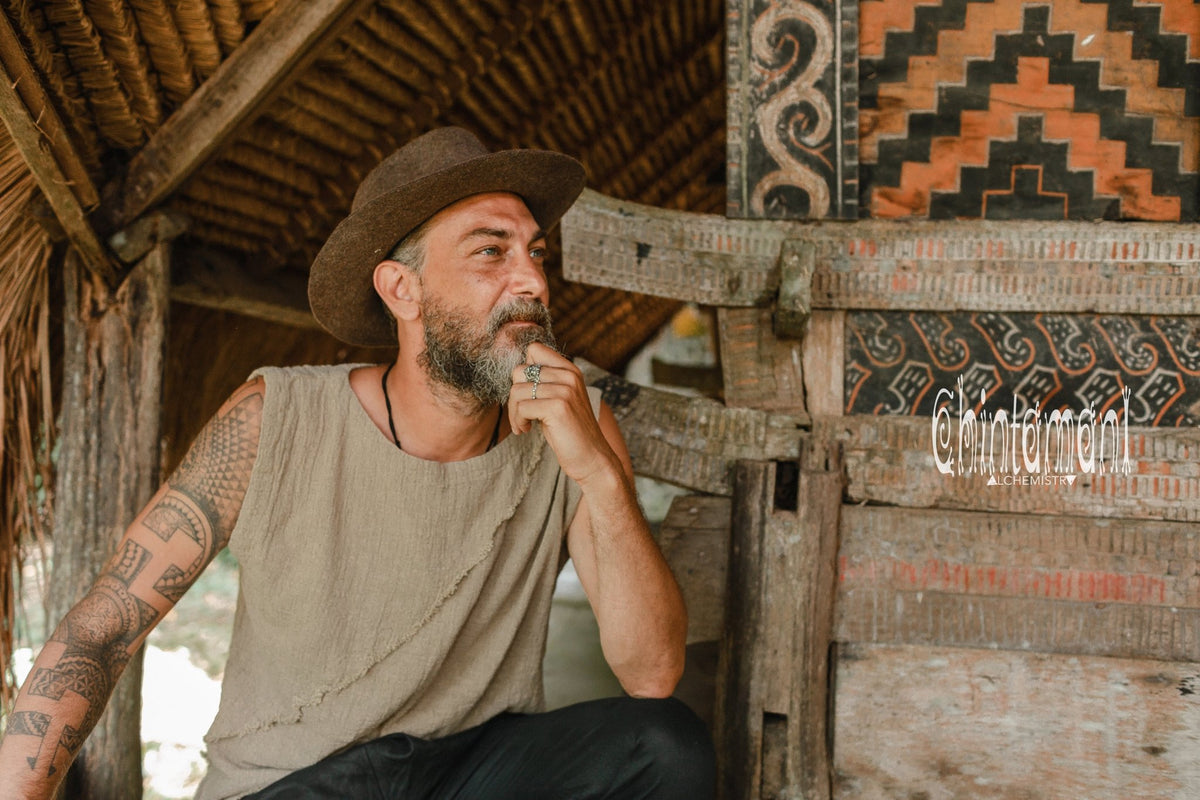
point(535, 385)
point(533, 373)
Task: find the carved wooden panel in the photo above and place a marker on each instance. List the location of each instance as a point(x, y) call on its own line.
point(793, 109)
point(1010, 110)
point(1062, 584)
point(909, 363)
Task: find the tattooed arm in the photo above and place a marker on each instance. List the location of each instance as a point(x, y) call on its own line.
point(162, 553)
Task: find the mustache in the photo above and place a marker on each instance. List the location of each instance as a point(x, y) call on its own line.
point(519, 311)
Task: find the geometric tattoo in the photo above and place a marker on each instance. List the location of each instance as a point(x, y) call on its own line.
point(216, 471)
point(173, 583)
point(100, 631)
point(129, 562)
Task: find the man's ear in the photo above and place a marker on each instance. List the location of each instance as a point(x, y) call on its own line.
point(400, 289)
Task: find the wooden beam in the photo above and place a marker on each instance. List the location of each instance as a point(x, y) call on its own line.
point(40, 155)
point(209, 279)
point(773, 680)
point(693, 441)
point(1058, 267)
point(115, 342)
point(278, 50)
point(703, 258)
point(891, 460)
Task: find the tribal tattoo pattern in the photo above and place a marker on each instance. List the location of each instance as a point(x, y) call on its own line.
point(100, 634)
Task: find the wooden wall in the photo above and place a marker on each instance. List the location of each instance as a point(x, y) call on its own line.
point(1013, 615)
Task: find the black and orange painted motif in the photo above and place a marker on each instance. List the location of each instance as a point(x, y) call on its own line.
point(1004, 109)
point(897, 361)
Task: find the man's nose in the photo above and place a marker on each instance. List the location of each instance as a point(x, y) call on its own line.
point(528, 277)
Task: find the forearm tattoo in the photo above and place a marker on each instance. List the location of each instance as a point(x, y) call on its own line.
point(100, 634)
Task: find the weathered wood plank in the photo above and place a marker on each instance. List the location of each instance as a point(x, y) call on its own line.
point(792, 67)
point(694, 538)
point(211, 280)
point(278, 50)
point(108, 469)
point(891, 460)
point(1078, 585)
point(941, 723)
point(760, 370)
point(1107, 268)
point(692, 441)
point(824, 362)
point(774, 679)
point(703, 258)
point(1064, 267)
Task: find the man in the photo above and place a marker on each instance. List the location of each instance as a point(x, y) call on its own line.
point(399, 529)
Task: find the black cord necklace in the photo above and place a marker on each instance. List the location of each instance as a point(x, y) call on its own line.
point(387, 401)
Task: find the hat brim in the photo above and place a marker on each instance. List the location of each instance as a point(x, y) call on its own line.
point(341, 290)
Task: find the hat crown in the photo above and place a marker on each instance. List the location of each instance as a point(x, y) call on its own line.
point(427, 154)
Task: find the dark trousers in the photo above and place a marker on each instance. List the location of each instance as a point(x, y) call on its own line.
point(618, 748)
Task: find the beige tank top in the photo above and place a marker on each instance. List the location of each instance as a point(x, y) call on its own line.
point(379, 593)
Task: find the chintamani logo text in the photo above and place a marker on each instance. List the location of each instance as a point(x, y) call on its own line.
point(1030, 447)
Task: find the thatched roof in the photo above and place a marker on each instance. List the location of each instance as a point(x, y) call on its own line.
point(115, 89)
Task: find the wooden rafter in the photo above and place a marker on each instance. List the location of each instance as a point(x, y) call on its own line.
point(42, 139)
point(278, 50)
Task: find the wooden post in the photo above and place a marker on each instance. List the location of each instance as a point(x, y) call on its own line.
point(773, 678)
point(108, 469)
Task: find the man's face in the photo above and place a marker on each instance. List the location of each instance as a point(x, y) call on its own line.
point(483, 295)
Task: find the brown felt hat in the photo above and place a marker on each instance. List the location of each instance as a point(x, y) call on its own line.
point(431, 172)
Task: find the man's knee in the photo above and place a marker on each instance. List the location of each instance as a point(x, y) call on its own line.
point(672, 748)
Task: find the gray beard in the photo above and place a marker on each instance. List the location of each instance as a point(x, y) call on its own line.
point(464, 358)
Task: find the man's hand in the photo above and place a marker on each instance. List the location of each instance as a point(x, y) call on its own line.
point(560, 402)
point(643, 623)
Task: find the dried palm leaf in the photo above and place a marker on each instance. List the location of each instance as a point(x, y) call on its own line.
point(26, 409)
point(81, 41)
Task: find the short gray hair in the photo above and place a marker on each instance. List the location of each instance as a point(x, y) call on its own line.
point(410, 251)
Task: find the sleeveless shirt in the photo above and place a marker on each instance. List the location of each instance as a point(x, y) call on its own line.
point(379, 592)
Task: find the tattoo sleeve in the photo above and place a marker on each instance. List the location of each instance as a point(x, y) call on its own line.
point(175, 537)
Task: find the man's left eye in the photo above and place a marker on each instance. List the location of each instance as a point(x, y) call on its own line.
point(537, 252)
point(490, 250)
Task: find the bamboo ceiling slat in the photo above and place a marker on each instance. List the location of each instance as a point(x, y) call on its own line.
point(118, 33)
point(330, 112)
point(110, 106)
point(196, 27)
point(166, 49)
point(223, 218)
point(386, 89)
point(460, 23)
point(245, 156)
point(211, 193)
point(424, 26)
point(584, 24)
point(401, 60)
point(336, 88)
point(228, 24)
point(234, 178)
point(322, 133)
point(256, 10)
point(303, 153)
point(221, 237)
point(63, 85)
point(663, 148)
